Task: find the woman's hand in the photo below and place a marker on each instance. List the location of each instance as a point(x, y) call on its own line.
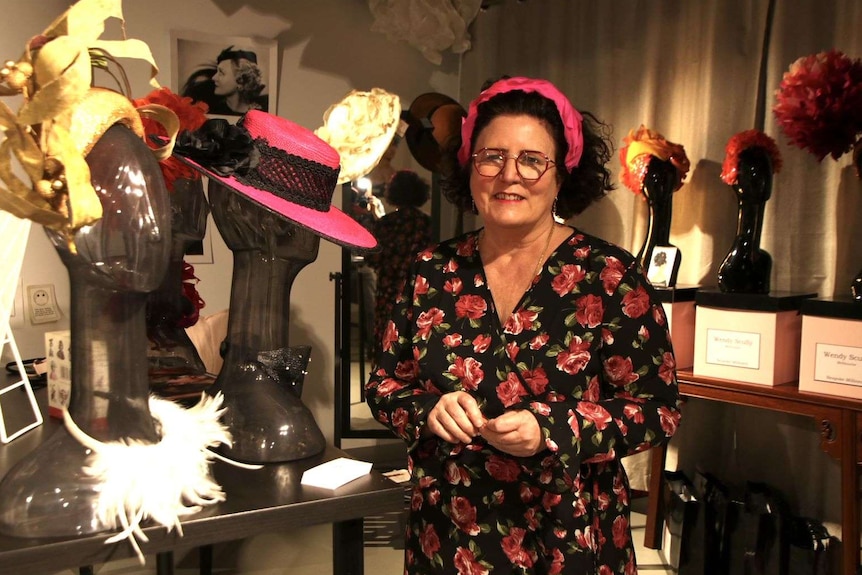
point(456, 418)
point(515, 432)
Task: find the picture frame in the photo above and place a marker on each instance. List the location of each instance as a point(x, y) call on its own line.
point(663, 266)
point(194, 63)
point(201, 252)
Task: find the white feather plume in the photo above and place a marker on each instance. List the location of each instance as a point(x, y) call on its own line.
point(162, 481)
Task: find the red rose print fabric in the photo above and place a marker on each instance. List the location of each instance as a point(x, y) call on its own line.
point(401, 234)
point(586, 351)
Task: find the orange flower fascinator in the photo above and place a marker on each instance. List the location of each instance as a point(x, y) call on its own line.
point(639, 147)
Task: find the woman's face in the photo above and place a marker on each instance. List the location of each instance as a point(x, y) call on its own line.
point(506, 200)
point(225, 79)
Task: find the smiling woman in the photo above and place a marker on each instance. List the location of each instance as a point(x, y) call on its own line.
point(525, 359)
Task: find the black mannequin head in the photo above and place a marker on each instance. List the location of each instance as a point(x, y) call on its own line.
point(754, 175)
point(661, 177)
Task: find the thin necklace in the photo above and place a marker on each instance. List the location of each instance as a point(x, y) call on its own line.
point(541, 257)
point(544, 251)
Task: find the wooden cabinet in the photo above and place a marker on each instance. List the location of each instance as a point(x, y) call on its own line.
point(838, 419)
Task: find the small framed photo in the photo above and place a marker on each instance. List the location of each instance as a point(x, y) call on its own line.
point(663, 266)
point(201, 251)
point(231, 74)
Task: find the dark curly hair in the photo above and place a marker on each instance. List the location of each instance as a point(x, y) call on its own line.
point(588, 182)
point(406, 188)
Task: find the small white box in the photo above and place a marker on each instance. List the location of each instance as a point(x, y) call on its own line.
point(58, 356)
point(830, 361)
point(335, 473)
point(678, 306)
point(752, 338)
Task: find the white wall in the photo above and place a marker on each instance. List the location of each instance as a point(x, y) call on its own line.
point(326, 49)
point(41, 262)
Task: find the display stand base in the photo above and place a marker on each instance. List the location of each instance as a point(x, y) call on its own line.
point(830, 360)
point(678, 303)
point(753, 338)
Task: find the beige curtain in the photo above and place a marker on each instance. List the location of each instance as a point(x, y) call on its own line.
point(689, 69)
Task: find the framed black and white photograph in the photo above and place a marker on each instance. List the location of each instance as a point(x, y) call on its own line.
point(231, 74)
point(663, 266)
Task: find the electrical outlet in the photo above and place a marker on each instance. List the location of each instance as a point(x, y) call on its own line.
point(42, 301)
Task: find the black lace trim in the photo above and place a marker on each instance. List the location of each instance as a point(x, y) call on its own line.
point(290, 177)
point(228, 150)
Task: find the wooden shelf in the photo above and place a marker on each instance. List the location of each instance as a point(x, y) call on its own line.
point(839, 420)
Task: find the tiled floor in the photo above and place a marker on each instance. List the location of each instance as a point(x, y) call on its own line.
point(309, 552)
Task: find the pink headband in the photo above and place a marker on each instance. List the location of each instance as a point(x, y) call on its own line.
point(571, 117)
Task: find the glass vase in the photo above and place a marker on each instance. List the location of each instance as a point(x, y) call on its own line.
point(117, 261)
point(265, 415)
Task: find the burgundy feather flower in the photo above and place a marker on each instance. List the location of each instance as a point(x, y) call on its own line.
point(192, 116)
point(819, 103)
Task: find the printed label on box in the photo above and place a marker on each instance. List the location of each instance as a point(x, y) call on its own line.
point(100, 377)
point(58, 353)
point(733, 348)
point(838, 364)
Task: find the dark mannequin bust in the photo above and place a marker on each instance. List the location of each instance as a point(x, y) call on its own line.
point(659, 184)
point(747, 268)
point(117, 261)
point(265, 415)
point(754, 176)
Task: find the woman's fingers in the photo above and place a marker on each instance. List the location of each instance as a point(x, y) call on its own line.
point(471, 410)
point(515, 432)
point(453, 418)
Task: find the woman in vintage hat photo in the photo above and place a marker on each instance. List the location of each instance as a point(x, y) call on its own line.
point(232, 87)
point(524, 359)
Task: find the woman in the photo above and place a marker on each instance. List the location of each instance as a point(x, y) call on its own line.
point(525, 359)
point(232, 87)
point(400, 235)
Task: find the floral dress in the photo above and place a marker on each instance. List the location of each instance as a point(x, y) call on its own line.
point(586, 350)
point(401, 234)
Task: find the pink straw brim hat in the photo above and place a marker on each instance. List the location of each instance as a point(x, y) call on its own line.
point(313, 166)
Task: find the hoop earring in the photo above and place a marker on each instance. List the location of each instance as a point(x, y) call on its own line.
point(473, 207)
point(554, 209)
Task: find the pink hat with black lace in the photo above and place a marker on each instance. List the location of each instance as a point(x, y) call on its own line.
point(278, 165)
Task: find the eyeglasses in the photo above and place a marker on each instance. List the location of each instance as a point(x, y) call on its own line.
point(531, 165)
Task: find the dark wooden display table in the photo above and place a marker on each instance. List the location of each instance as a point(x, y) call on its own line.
point(258, 501)
point(838, 419)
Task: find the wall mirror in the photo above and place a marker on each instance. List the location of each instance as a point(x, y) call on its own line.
point(354, 322)
point(432, 124)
